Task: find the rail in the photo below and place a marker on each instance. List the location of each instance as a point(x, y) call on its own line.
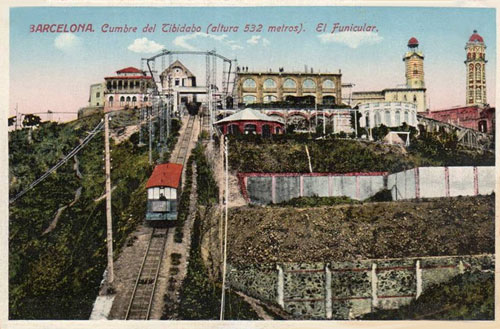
point(184, 145)
point(141, 301)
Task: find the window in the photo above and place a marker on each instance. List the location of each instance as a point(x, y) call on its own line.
point(478, 72)
point(414, 98)
point(328, 84)
point(406, 117)
point(387, 118)
point(270, 98)
point(308, 84)
point(269, 84)
point(122, 99)
point(233, 130)
point(250, 129)
point(145, 98)
point(397, 119)
point(377, 119)
point(289, 83)
point(97, 103)
point(128, 98)
point(249, 99)
point(97, 94)
point(134, 99)
point(177, 81)
point(266, 131)
point(249, 83)
point(110, 99)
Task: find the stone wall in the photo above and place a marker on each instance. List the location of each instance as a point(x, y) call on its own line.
point(422, 182)
point(349, 289)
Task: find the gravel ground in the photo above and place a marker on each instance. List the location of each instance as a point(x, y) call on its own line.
point(447, 226)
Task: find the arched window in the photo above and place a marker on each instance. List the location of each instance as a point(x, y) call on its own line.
point(134, 99)
point(128, 98)
point(478, 71)
point(137, 84)
point(249, 83)
point(120, 84)
point(110, 99)
point(397, 119)
point(406, 118)
point(269, 84)
point(233, 130)
point(328, 84)
point(125, 84)
point(387, 118)
point(270, 98)
point(308, 84)
point(377, 119)
point(414, 98)
point(114, 84)
point(249, 99)
point(250, 129)
point(478, 94)
point(145, 98)
point(289, 83)
point(122, 99)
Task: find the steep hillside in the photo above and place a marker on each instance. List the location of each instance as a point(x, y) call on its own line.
point(447, 226)
point(288, 154)
point(57, 231)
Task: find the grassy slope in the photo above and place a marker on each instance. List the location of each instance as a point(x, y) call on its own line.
point(57, 275)
point(288, 154)
point(469, 296)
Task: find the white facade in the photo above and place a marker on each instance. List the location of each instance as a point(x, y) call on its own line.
point(390, 114)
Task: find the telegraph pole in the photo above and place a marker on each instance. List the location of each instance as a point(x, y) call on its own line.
point(150, 139)
point(223, 298)
point(109, 222)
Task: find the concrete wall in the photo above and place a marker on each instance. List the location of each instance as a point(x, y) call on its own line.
point(275, 188)
point(437, 182)
point(347, 290)
point(422, 182)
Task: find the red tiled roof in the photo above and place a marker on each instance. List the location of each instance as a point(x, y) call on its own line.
point(130, 77)
point(129, 69)
point(166, 174)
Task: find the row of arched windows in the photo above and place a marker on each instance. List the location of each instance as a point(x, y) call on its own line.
point(384, 117)
point(127, 99)
point(120, 84)
point(288, 84)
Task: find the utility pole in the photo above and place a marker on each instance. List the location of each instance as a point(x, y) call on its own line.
point(223, 298)
point(150, 139)
point(109, 222)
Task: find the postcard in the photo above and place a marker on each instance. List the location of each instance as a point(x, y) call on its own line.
point(251, 165)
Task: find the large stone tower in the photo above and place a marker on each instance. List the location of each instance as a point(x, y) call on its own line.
point(475, 64)
point(414, 60)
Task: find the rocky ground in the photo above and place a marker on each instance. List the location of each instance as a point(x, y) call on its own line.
point(446, 226)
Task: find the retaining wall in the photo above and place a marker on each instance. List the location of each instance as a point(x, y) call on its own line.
point(265, 188)
point(347, 290)
point(422, 182)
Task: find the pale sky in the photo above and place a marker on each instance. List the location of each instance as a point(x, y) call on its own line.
point(53, 71)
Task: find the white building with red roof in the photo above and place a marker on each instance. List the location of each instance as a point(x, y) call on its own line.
point(127, 89)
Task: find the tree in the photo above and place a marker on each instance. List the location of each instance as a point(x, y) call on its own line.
point(12, 120)
point(31, 120)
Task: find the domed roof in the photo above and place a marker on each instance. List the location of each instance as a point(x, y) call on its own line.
point(476, 37)
point(413, 42)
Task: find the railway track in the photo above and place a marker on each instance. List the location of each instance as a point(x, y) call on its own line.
point(181, 155)
point(141, 301)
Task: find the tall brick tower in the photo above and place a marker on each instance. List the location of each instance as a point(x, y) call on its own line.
point(475, 64)
point(414, 60)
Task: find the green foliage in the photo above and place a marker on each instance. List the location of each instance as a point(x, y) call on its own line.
point(57, 275)
point(208, 192)
point(286, 153)
point(469, 296)
point(200, 297)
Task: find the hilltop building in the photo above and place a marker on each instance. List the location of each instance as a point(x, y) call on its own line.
point(96, 100)
point(413, 92)
point(300, 87)
point(250, 121)
point(178, 81)
point(127, 89)
point(477, 114)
